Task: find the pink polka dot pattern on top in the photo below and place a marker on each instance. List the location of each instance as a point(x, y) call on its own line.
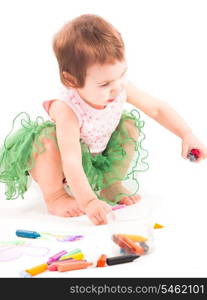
point(96, 125)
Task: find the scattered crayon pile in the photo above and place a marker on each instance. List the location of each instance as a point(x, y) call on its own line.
point(131, 247)
point(62, 261)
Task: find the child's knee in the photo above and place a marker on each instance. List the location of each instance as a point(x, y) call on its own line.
point(45, 146)
point(46, 141)
point(50, 146)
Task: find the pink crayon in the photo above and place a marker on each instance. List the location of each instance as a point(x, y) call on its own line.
point(54, 266)
point(119, 206)
point(56, 256)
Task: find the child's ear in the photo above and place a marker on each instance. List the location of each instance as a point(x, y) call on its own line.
point(69, 80)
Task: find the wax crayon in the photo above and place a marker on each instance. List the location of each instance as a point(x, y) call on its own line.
point(135, 248)
point(157, 226)
point(73, 266)
point(56, 256)
point(101, 262)
point(37, 269)
point(121, 259)
point(27, 234)
point(76, 254)
point(135, 238)
point(144, 246)
point(118, 239)
point(54, 266)
point(128, 245)
point(118, 206)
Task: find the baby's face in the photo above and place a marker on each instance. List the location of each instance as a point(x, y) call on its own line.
point(103, 83)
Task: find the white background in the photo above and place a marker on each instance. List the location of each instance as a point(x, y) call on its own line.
point(166, 50)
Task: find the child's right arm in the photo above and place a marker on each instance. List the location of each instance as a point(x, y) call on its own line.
point(68, 136)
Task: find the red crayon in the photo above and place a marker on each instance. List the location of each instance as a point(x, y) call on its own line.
point(54, 266)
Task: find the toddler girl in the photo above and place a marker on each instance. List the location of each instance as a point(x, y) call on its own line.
point(91, 145)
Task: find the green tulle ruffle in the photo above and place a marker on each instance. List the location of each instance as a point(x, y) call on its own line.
point(19, 149)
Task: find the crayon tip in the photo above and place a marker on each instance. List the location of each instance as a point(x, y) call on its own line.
point(158, 226)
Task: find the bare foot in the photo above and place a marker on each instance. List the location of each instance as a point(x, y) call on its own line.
point(117, 188)
point(63, 205)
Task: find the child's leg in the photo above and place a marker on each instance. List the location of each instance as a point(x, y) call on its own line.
point(117, 187)
point(49, 175)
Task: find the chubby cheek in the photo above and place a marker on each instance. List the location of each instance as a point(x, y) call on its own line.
point(102, 94)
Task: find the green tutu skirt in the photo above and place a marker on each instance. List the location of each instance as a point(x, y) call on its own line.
point(102, 170)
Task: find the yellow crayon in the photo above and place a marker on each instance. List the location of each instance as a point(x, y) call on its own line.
point(135, 238)
point(37, 269)
point(158, 226)
point(77, 256)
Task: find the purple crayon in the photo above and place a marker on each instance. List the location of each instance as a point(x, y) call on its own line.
point(56, 256)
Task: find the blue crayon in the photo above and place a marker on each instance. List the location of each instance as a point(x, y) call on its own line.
point(27, 234)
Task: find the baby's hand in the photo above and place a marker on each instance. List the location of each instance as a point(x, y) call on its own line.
point(190, 142)
point(97, 211)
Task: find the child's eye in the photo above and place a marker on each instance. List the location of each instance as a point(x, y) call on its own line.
point(106, 84)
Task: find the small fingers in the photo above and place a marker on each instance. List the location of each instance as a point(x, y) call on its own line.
point(99, 218)
point(95, 220)
point(79, 212)
point(102, 217)
point(126, 200)
point(67, 214)
point(135, 198)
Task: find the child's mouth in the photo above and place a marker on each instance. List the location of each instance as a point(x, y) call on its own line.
point(111, 100)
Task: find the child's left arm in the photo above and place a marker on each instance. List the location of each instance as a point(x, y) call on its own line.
point(164, 114)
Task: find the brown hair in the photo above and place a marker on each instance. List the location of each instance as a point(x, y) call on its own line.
point(84, 41)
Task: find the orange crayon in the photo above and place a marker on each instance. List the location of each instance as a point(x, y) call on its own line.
point(119, 240)
point(134, 247)
point(101, 262)
point(73, 266)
